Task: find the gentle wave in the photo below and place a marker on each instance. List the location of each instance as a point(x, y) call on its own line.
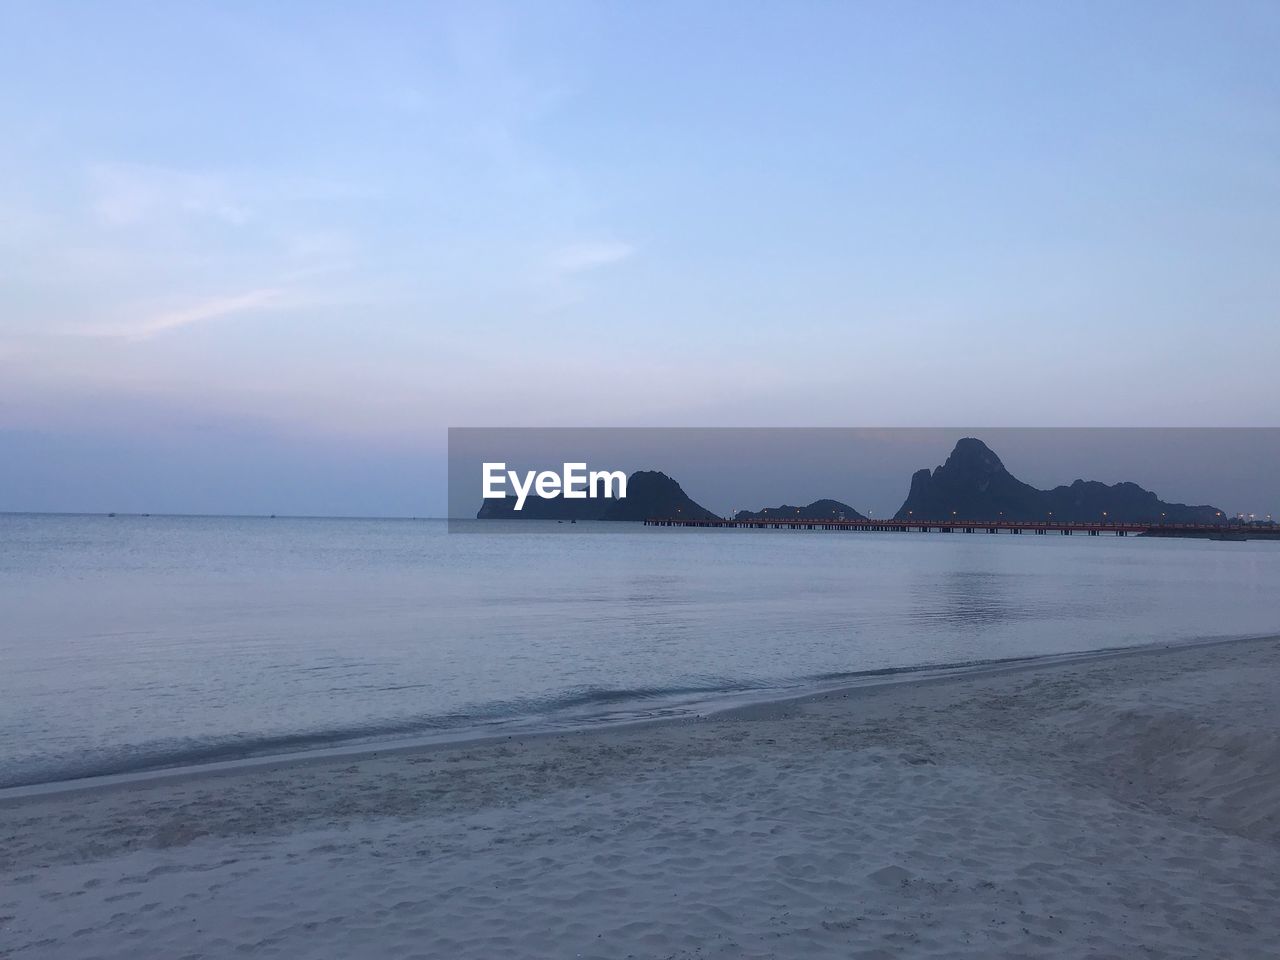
point(169, 753)
point(570, 708)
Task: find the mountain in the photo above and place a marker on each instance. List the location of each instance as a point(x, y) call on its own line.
point(974, 485)
point(654, 494)
point(650, 493)
point(818, 510)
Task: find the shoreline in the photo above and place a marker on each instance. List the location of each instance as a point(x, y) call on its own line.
point(758, 701)
point(1108, 806)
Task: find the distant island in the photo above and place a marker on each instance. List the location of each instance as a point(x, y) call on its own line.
point(974, 485)
point(818, 510)
point(650, 493)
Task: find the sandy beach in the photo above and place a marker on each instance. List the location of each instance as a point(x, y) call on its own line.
point(1123, 806)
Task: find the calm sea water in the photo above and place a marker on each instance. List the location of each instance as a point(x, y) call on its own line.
point(128, 643)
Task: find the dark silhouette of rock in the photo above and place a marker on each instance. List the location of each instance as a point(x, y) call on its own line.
point(654, 494)
point(650, 493)
point(974, 485)
point(818, 510)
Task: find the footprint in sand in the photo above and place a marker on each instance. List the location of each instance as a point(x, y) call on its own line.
point(891, 876)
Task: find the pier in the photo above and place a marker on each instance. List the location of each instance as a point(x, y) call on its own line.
point(1012, 527)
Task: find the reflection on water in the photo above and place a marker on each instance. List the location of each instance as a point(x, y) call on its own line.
point(982, 598)
point(134, 641)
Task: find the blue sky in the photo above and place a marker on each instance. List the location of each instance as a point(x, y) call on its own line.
point(259, 257)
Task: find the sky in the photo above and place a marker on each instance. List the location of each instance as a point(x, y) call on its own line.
point(259, 257)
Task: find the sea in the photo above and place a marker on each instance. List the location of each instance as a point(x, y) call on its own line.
point(140, 643)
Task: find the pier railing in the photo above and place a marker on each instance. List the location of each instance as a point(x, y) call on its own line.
point(911, 525)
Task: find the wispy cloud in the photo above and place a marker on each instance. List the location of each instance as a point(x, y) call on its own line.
point(213, 308)
point(581, 257)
